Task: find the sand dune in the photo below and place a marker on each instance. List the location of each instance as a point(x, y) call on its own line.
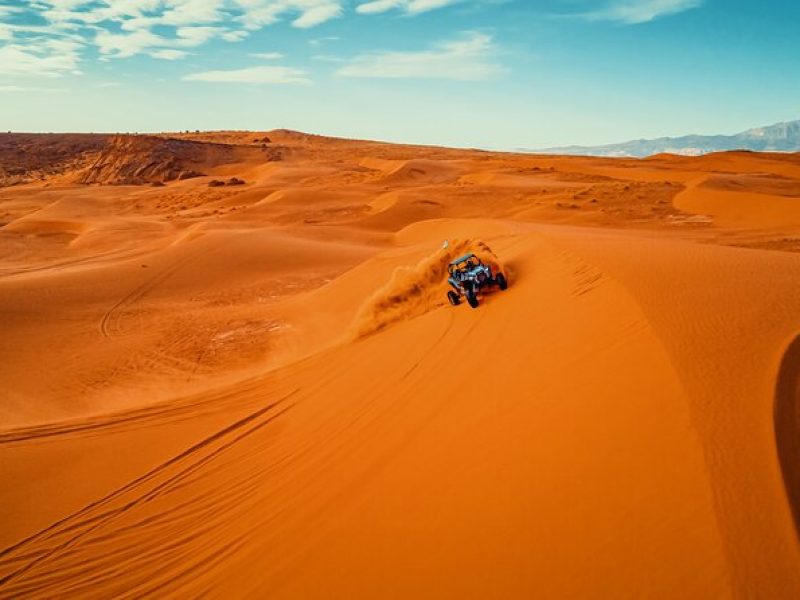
point(259, 389)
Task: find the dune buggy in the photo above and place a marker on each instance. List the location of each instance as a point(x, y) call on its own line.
point(468, 276)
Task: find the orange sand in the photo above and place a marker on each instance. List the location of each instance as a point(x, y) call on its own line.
point(258, 390)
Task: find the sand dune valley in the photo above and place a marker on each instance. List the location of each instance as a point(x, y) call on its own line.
point(229, 369)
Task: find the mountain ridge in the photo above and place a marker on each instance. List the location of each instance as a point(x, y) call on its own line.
point(779, 137)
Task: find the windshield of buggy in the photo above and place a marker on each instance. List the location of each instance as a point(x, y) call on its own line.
point(465, 263)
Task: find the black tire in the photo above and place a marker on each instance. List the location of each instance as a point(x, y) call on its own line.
point(472, 299)
point(502, 283)
point(454, 298)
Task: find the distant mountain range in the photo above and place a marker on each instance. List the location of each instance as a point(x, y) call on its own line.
point(781, 137)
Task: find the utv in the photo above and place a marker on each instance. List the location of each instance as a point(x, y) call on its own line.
point(468, 276)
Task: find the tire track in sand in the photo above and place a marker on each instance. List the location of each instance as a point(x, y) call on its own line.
point(66, 532)
point(137, 293)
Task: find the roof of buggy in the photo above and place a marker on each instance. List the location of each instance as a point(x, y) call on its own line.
point(464, 258)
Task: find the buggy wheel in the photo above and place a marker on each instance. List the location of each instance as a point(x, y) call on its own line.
point(502, 283)
point(472, 299)
point(454, 298)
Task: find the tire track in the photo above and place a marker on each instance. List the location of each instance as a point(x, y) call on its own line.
point(427, 352)
point(138, 292)
point(97, 425)
point(87, 520)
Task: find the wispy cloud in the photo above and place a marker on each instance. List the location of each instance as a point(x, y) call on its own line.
point(632, 12)
point(262, 75)
point(328, 58)
point(323, 40)
point(315, 15)
point(267, 55)
point(6, 31)
point(409, 6)
point(66, 32)
point(22, 88)
point(123, 45)
point(125, 28)
point(465, 59)
point(306, 13)
point(169, 54)
point(50, 58)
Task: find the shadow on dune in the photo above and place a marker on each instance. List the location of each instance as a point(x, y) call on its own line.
point(787, 426)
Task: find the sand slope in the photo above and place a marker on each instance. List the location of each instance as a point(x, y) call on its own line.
point(259, 390)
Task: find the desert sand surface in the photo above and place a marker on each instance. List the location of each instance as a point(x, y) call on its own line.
point(230, 370)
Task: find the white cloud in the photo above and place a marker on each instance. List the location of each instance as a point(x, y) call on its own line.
point(379, 6)
point(308, 13)
point(6, 10)
point(192, 12)
point(268, 74)
point(632, 12)
point(412, 7)
point(318, 14)
point(32, 50)
point(6, 32)
point(125, 28)
point(37, 59)
point(267, 55)
point(194, 36)
point(169, 54)
point(462, 60)
point(22, 88)
point(61, 45)
point(123, 45)
point(234, 36)
point(323, 40)
point(328, 58)
point(159, 28)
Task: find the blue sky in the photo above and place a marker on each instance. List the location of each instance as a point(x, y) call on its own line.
point(486, 73)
